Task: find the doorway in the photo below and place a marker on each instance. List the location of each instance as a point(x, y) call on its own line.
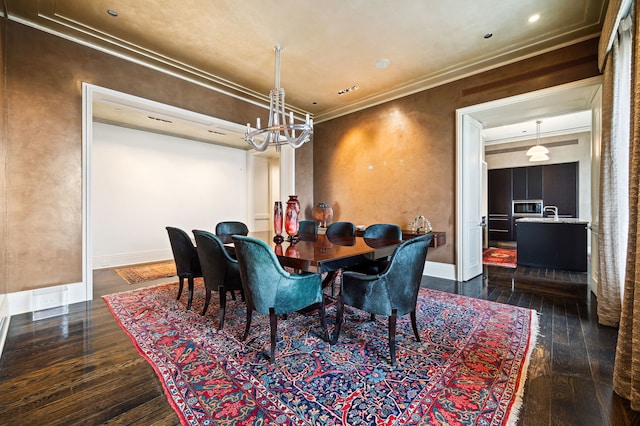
point(242, 158)
point(559, 100)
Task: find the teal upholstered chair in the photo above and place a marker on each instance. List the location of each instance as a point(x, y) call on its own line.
point(224, 230)
point(393, 293)
point(382, 231)
point(308, 227)
point(341, 229)
point(271, 290)
point(219, 270)
point(186, 258)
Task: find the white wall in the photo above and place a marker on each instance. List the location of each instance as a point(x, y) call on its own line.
point(143, 182)
point(580, 152)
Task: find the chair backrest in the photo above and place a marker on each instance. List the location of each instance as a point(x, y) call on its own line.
point(214, 259)
point(184, 253)
point(404, 273)
point(343, 229)
point(266, 284)
point(224, 230)
point(383, 231)
point(308, 227)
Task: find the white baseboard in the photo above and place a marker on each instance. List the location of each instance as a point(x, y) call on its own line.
point(5, 317)
point(22, 301)
point(112, 260)
point(440, 270)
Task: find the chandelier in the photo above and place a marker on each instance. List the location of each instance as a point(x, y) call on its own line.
point(278, 132)
point(538, 152)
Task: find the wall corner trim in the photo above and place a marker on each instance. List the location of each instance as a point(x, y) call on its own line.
point(439, 270)
point(4, 320)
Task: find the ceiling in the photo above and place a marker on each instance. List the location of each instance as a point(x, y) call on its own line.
point(388, 49)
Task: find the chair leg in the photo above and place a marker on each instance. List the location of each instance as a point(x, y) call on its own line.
point(246, 328)
point(207, 299)
point(414, 324)
point(392, 336)
point(323, 323)
point(223, 306)
point(190, 282)
point(273, 322)
point(180, 285)
point(372, 317)
point(233, 295)
point(339, 312)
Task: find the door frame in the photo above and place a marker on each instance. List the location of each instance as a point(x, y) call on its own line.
point(89, 91)
point(473, 111)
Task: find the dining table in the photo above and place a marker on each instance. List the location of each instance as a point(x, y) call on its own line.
point(322, 253)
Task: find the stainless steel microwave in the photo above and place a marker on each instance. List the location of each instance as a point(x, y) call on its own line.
point(527, 208)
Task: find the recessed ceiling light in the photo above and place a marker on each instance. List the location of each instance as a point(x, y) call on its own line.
point(347, 90)
point(382, 63)
point(534, 18)
point(488, 35)
point(112, 12)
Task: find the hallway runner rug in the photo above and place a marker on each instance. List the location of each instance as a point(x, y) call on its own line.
point(148, 272)
point(500, 257)
point(469, 368)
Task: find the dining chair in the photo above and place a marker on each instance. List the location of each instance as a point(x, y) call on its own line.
point(341, 229)
point(345, 234)
point(270, 290)
point(308, 227)
point(382, 231)
point(186, 257)
point(393, 293)
point(219, 270)
point(224, 230)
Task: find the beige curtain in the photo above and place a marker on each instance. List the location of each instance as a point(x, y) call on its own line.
point(608, 291)
point(614, 176)
point(626, 377)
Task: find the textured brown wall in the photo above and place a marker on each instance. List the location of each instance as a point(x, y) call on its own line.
point(395, 161)
point(44, 144)
point(4, 287)
point(304, 179)
point(409, 142)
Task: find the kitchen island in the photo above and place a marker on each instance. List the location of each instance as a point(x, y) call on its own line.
point(551, 243)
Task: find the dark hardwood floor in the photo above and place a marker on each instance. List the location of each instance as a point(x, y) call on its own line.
point(81, 368)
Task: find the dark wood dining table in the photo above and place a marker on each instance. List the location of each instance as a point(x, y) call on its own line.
point(320, 253)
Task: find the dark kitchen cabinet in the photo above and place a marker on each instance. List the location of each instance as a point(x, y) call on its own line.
point(560, 188)
point(555, 184)
point(527, 183)
point(499, 204)
point(499, 188)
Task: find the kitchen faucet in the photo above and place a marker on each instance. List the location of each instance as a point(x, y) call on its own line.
point(554, 209)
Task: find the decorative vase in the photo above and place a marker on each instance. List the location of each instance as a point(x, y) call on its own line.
point(292, 251)
point(323, 214)
point(277, 222)
point(291, 216)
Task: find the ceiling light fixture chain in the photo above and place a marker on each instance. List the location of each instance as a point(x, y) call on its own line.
point(278, 132)
point(538, 152)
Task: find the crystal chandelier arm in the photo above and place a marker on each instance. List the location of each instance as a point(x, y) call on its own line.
point(278, 131)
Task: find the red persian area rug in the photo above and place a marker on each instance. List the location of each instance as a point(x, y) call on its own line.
point(469, 368)
point(500, 257)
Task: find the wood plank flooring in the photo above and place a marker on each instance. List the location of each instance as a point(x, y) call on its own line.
point(81, 368)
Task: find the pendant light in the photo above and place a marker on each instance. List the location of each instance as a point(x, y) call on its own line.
point(279, 131)
point(538, 152)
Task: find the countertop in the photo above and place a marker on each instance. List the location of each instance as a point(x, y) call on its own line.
point(552, 220)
